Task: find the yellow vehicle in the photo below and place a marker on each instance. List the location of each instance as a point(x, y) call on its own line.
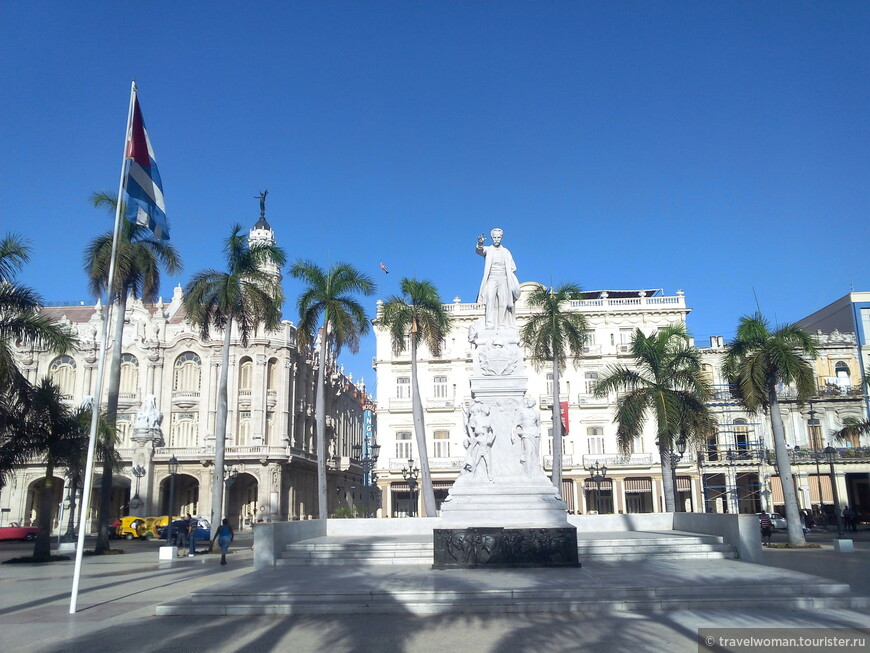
point(153, 526)
point(130, 527)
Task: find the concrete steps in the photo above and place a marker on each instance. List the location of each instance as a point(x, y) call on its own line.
point(704, 596)
point(338, 551)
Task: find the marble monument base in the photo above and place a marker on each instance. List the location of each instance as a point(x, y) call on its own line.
point(492, 546)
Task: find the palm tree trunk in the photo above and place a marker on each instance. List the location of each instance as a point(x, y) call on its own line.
point(42, 545)
point(220, 435)
point(557, 428)
point(114, 389)
point(667, 466)
point(320, 422)
point(420, 433)
point(783, 466)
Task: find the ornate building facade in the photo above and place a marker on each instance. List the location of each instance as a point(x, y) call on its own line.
point(733, 471)
point(168, 407)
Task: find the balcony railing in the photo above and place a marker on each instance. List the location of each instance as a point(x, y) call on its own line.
point(617, 460)
point(394, 403)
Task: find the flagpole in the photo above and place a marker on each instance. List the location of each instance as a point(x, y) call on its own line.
point(98, 390)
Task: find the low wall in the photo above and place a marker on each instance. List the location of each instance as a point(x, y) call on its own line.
point(740, 531)
point(376, 527)
point(270, 538)
point(649, 521)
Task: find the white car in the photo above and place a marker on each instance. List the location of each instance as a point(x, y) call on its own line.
point(777, 521)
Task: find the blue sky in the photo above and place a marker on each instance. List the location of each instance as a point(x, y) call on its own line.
point(718, 147)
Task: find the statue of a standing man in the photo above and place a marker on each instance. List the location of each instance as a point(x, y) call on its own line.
point(499, 288)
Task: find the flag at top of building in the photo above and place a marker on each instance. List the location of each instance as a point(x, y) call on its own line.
point(143, 190)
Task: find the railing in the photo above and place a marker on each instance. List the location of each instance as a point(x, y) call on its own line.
point(567, 461)
point(547, 400)
point(395, 403)
point(463, 308)
point(616, 460)
point(584, 399)
point(440, 404)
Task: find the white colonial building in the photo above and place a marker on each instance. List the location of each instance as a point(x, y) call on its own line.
point(271, 457)
point(732, 471)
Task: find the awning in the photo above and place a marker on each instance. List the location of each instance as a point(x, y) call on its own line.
point(684, 484)
point(776, 490)
point(590, 486)
point(636, 485)
point(827, 494)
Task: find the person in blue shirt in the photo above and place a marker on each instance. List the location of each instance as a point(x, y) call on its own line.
point(224, 535)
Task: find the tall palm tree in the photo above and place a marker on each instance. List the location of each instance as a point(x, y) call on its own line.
point(246, 296)
point(665, 384)
point(53, 433)
point(418, 315)
point(757, 360)
point(553, 334)
point(138, 261)
point(21, 324)
point(329, 304)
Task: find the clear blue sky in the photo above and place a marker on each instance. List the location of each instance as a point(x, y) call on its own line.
point(717, 147)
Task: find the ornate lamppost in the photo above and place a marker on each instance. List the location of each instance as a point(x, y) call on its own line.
point(411, 474)
point(367, 463)
point(597, 474)
point(815, 438)
point(138, 471)
point(831, 455)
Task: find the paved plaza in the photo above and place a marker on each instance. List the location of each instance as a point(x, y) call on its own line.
point(119, 596)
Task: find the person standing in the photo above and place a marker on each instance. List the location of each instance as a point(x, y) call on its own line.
point(192, 525)
point(499, 288)
point(181, 529)
point(224, 535)
point(766, 528)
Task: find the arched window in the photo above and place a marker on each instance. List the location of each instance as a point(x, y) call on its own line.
point(184, 431)
point(272, 375)
point(187, 372)
point(246, 375)
point(713, 443)
point(841, 370)
point(129, 374)
point(63, 373)
point(124, 425)
point(707, 373)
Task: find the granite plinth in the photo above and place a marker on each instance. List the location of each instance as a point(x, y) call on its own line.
point(463, 548)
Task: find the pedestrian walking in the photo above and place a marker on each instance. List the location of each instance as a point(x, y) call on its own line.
point(224, 535)
point(766, 528)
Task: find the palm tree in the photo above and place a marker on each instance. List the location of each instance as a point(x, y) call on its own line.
point(757, 360)
point(666, 384)
point(419, 313)
point(246, 296)
point(54, 433)
point(21, 324)
point(554, 334)
point(138, 260)
point(329, 304)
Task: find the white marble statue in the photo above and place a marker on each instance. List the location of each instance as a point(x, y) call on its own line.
point(149, 417)
point(481, 437)
point(499, 288)
point(529, 430)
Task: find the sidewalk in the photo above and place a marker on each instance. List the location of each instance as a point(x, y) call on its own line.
point(119, 594)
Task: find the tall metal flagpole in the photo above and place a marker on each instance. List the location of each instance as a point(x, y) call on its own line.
point(98, 390)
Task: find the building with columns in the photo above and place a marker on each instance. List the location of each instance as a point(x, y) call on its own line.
point(168, 406)
point(732, 471)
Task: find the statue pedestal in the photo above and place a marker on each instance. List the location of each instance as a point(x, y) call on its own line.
point(505, 547)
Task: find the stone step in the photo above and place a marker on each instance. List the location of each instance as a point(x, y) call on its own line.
point(823, 595)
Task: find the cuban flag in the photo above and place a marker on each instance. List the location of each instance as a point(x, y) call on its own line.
point(142, 186)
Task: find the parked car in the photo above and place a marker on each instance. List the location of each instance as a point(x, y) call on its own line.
point(15, 531)
point(129, 528)
point(202, 532)
point(776, 520)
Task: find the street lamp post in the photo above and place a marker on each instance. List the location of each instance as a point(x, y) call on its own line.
point(814, 432)
point(411, 474)
point(230, 476)
point(138, 472)
point(830, 455)
point(367, 463)
point(597, 474)
point(173, 470)
point(676, 458)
